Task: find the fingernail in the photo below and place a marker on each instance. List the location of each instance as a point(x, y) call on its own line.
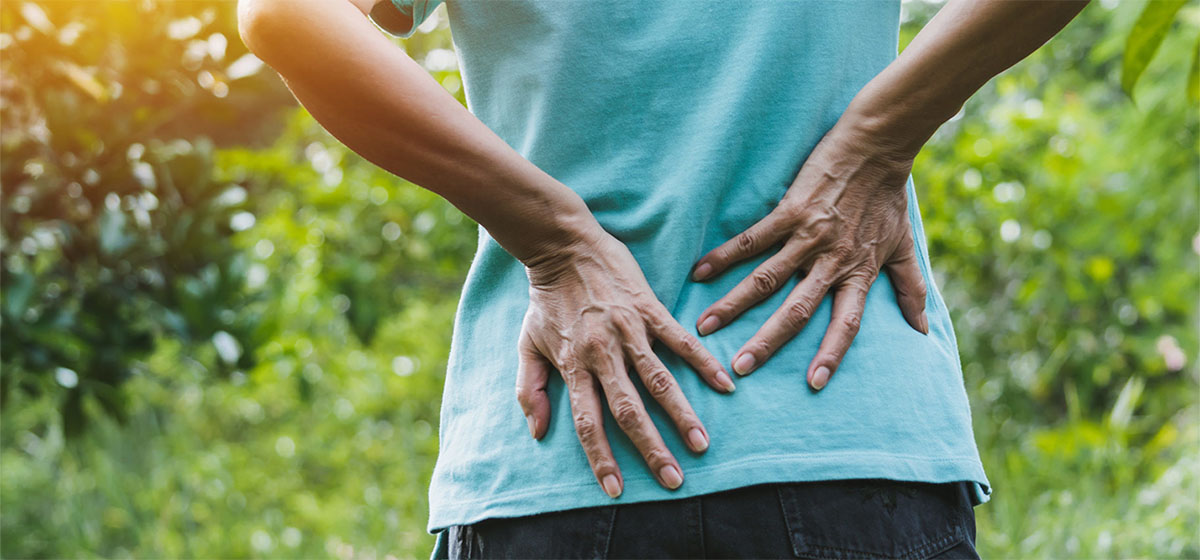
point(532, 426)
point(670, 476)
point(709, 324)
point(724, 380)
point(820, 378)
point(702, 271)
point(744, 363)
point(612, 486)
point(699, 442)
point(924, 324)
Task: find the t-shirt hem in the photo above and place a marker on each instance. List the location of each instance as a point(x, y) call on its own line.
point(749, 471)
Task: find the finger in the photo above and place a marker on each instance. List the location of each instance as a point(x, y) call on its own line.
point(663, 326)
point(909, 284)
point(750, 242)
point(533, 376)
point(630, 414)
point(848, 303)
point(788, 320)
point(584, 393)
point(663, 387)
point(766, 279)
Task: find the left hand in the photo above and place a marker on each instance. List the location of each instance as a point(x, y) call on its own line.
point(842, 220)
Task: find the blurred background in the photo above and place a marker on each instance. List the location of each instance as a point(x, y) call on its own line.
point(224, 334)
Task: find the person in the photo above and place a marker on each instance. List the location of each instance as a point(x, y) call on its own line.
point(663, 189)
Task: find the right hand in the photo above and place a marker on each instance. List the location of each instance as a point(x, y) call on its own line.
point(593, 317)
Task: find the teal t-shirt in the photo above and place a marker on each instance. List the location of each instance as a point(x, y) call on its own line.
point(680, 123)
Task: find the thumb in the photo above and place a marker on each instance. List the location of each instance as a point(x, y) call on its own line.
point(533, 375)
point(909, 284)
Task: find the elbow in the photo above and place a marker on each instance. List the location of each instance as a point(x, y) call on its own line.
point(261, 25)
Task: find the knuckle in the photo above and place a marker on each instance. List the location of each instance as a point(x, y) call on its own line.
point(627, 319)
point(646, 307)
point(763, 283)
point(826, 236)
point(688, 344)
point(594, 342)
point(822, 282)
point(602, 465)
point(851, 322)
point(799, 311)
point(524, 394)
point(830, 359)
point(626, 412)
point(762, 348)
point(745, 241)
point(654, 321)
point(657, 456)
point(586, 426)
point(659, 383)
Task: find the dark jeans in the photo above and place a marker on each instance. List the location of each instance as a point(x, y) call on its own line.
point(827, 519)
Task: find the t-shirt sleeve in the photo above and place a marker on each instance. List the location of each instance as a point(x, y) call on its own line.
point(401, 17)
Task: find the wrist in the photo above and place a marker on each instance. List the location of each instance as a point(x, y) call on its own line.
point(873, 146)
point(558, 236)
point(531, 219)
point(897, 119)
point(562, 257)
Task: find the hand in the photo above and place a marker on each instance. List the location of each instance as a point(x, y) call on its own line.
point(843, 218)
point(593, 317)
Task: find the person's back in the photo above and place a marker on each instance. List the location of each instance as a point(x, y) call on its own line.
point(609, 148)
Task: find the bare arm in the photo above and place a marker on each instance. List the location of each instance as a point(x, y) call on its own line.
point(591, 309)
point(967, 43)
point(845, 216)
point(383, 105)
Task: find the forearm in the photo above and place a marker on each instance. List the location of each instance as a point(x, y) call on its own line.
point(965, 44)
point(383, 105)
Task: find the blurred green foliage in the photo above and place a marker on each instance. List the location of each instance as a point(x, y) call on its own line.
point(224, 333)
point(116, 232)
point(1145, 38)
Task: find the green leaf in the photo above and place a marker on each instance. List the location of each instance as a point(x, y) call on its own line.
point(1145, 37)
